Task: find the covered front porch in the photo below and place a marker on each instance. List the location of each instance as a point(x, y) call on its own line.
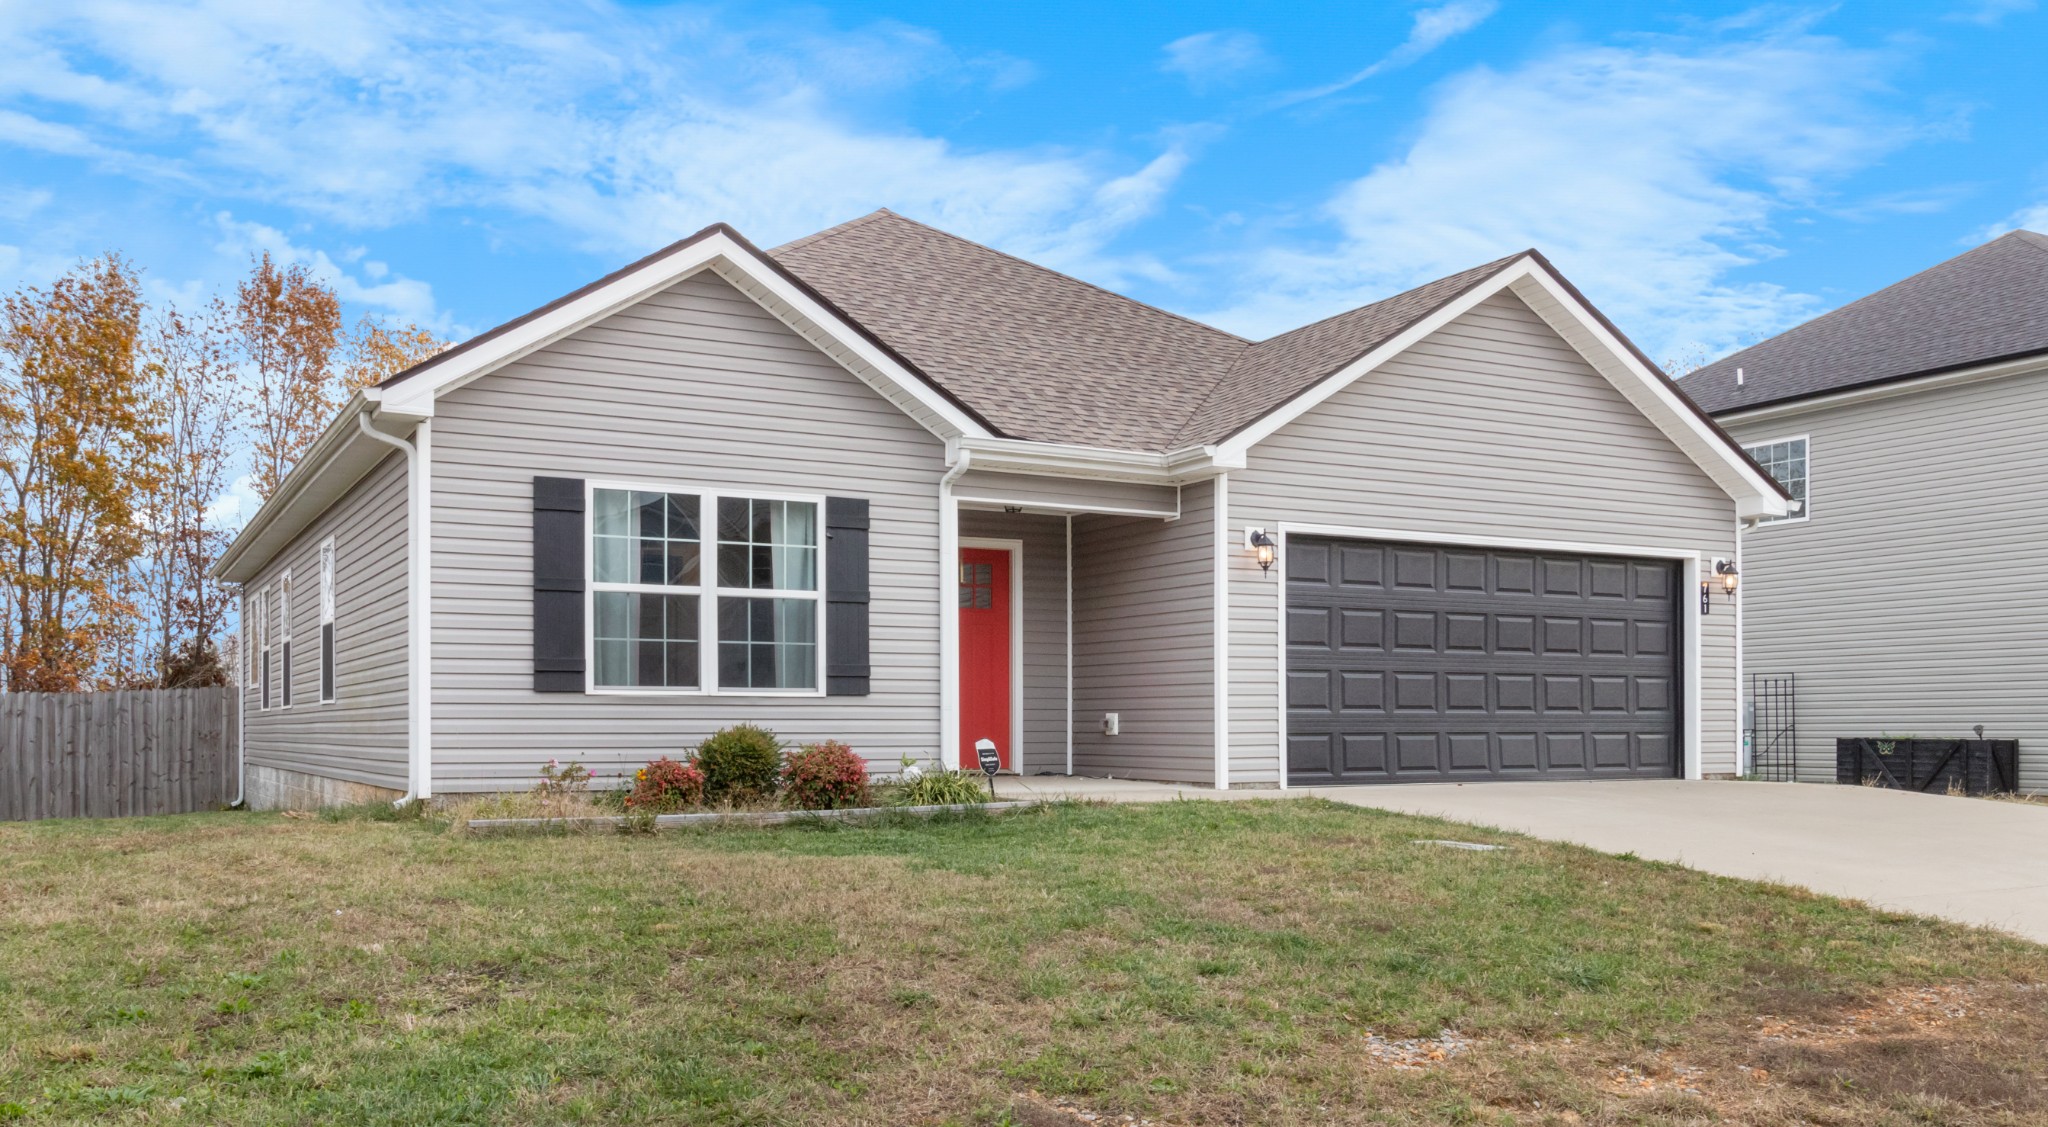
point(1081, 629)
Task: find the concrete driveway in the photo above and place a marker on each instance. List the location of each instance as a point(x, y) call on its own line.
point(1964, 859)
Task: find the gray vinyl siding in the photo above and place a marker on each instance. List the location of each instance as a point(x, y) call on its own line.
point(696, 386)
point(1910, 600)
point(361, 737)
point(1145, 642)
point(1492, 426)
point(1045, 628)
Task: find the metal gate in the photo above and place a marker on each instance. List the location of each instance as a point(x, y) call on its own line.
point(1773, 735)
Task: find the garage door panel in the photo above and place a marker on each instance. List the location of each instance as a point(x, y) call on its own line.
point(1409, 662)
point(1309, 690)
point(1366, 754)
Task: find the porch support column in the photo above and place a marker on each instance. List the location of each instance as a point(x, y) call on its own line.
point(949, 615)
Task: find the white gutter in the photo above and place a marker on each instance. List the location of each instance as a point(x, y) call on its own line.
point(419, 609)
point(949, 614)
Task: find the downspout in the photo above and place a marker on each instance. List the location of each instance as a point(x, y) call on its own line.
point(949, 614)
point(418, 607)
point(242, 705)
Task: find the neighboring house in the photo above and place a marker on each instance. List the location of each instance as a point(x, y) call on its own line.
point(1905, 597)
point(888, 486)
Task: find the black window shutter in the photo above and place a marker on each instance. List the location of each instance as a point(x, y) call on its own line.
point(846, 596)
point(558, 585)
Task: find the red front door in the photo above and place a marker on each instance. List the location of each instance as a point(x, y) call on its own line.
point(984, 653)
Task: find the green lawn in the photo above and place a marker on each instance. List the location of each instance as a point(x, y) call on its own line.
point(1211, 963)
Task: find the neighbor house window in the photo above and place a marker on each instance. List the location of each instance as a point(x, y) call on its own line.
point(327, 622)
point(284, 637)
point(695, 591)
point(1786, 461)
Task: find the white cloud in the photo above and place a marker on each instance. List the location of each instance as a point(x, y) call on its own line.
point(1646, 173)
point(406, 299)
point(1990, 13)
point(1433, 27)
point(2034, 218)
point(622, 127)
point(1210, 57)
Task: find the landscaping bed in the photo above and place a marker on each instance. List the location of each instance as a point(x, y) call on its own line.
point(1270, 962)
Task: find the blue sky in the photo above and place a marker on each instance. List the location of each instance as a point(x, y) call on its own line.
point(1708, 173)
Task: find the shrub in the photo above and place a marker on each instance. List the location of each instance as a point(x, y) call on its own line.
point(825, 776)
point(666, 786)
point(739, 763)
point(943, 788)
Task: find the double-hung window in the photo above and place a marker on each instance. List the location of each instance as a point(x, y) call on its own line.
point(1785, 460)
point(697, 591)
point(284, 637)
point(262, 630)
point(327, 621)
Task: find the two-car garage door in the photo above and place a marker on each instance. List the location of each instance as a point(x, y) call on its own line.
point(1421, 663)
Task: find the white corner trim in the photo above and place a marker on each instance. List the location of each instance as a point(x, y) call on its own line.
point(1070, 643)
point(1649, 391)
point(712, 248)
point(1221, 626)
point(419, 603)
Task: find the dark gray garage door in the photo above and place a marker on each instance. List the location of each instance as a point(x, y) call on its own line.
point(1418, 663)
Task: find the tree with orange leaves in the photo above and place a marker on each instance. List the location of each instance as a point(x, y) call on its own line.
point(77, 441)
point(288, 326)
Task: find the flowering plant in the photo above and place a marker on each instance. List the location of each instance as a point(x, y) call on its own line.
point(665, 786)
point(825, 776)
point(562, 786)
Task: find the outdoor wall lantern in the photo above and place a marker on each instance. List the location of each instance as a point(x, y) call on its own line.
point(1726, 577)
point(1262, 547)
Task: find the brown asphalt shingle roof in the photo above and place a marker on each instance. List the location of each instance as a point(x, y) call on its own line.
point(1048, 357)
point(1983, 305)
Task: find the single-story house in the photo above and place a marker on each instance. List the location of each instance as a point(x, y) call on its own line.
point(1902, 598)
point(887, 486)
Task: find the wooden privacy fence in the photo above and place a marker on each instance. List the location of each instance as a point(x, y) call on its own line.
point(116, 754)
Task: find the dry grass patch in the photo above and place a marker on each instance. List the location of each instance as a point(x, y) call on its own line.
point(1191, 963)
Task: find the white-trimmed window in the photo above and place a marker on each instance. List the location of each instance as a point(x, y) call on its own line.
point(262, 626)
point(1786, 460)
point(327, 621)
point(284, 638)
point(692, 591)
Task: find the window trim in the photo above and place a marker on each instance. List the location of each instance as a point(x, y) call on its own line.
point(262, 624)
point(1806, 502)
point(329, 681)
point(284, 639)
point(707, 594)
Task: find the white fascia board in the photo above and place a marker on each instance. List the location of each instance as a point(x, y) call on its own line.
point(717, 248)
point(1911, 385)
point(1016, 455)
point(1649, 391)
point(336, 460)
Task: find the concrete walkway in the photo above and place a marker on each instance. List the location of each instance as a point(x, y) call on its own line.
point(1969, 860)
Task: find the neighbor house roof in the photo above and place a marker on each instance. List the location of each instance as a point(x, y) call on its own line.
point(1980, 307)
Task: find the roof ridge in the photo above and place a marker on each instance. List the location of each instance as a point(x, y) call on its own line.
point(1124, 298)
point(2034, 239)
point(835, 229)
point(1490, 268)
